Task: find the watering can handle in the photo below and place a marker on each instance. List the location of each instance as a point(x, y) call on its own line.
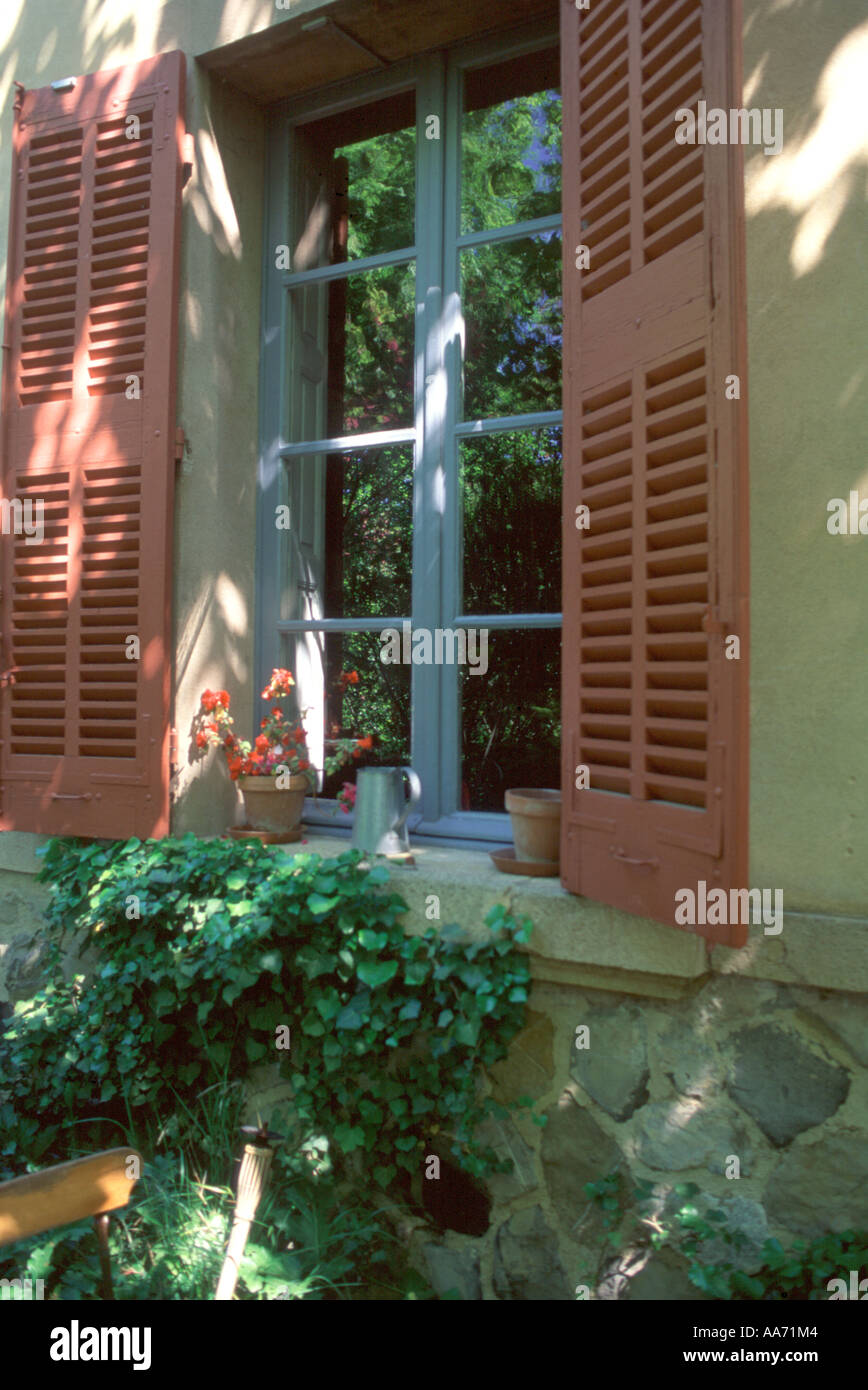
point(415, 797)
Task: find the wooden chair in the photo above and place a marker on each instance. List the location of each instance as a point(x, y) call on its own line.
point(69, 1192)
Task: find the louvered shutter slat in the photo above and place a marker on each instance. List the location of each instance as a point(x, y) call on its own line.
point(91, 312)
point(650, 705)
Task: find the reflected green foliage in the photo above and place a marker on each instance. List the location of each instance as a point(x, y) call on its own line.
point(511, 162)
point(511, 484)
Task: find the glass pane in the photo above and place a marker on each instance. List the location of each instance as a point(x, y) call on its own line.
point(350, 534)
point(510, 718)
point(511, 143)
point(351, 357)
point(377, 705)
point(381, 193)
point(356, 183)
point(374, 391)
point(511, 505)
point(511, 297)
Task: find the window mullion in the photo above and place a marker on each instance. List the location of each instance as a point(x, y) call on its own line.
point(429, 402)
point(453, 339)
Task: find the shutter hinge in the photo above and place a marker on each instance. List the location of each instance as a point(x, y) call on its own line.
point(173, 751)
point(180, 444)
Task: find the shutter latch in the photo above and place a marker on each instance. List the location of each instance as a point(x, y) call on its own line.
point(711, 624)
point(623, 858)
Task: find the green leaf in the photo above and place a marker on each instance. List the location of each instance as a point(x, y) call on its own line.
point(328, 1006)
point(411, 1009)
point(416, 971)
point(349, 1137)
point(467, 1031)
point(352, 1016)
point(375, 973)
point(373, 940)
point(319, 905)
point(444, 1018)
point(314, 963)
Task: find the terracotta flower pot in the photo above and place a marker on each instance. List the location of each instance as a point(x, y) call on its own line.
point(535, 814)
point(273, 808)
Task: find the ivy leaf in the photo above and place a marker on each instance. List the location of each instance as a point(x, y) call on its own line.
point(411, 1009)
point(373, 940)
point(319, 905)
point(416, 971)
point(374, 973)
point(314, 963)
point(445, 1017)
point(349, 1137)
point(328, 1006)
point(352, 1015)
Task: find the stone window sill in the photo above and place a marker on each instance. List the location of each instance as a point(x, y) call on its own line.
point(579, 942)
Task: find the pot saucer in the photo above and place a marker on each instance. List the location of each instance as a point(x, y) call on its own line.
point(506, 861)
point(268, 837)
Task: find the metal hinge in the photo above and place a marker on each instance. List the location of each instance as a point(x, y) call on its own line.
point(173, 751)
point(180, 444)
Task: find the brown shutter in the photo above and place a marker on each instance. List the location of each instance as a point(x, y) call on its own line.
point(651, 705)
point(88, 430)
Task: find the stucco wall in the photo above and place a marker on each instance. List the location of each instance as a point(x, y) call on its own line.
point(808, 389)
point(807, 306)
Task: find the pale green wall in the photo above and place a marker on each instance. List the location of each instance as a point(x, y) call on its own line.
point(807, 310)
point(807, 233)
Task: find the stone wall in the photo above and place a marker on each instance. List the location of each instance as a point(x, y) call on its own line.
point(672, 1092)
point(667, 1089)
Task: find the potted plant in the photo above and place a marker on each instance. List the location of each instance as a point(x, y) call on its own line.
point(274, 772)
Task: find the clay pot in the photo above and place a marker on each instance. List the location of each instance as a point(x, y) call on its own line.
point(273, 808)
point(535, 814)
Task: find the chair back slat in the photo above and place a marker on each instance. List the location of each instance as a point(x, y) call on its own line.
point(67, 1192)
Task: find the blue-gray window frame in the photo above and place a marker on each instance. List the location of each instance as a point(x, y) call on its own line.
point(437, 577)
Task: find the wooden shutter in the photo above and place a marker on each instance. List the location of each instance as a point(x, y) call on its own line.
point(653, 447)
point(88, 430)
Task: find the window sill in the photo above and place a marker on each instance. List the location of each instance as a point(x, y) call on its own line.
point(579, 942)
point(574, 941)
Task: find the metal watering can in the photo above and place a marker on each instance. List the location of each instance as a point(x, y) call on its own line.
point(381, 810)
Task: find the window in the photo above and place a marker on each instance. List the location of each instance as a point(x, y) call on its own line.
point(411, 461)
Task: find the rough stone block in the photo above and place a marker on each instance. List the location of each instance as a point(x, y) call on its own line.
point(782, 1084)
point(575, 1150)
point(689, 1060)
point(676, 1134)
point(847, 1017)
point(822, 1187)
point(453, 1269)
point(527, 1267)
point(528, 1070)
point(744, 1217)
point(614, 1067)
